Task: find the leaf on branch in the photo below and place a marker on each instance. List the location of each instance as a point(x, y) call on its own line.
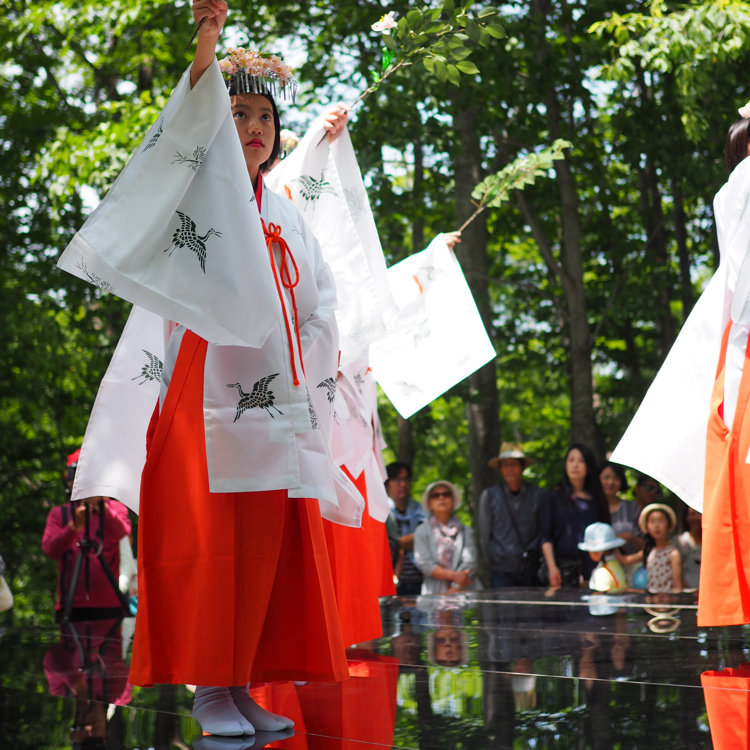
point(496, 189)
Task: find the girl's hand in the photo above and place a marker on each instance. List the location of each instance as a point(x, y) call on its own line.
point(452, 239)
point(335, 122)
point(215, 14)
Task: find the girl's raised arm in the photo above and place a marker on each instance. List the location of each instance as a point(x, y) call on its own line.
point(211, 15)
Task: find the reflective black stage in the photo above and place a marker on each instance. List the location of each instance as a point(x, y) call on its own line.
point(510, 669)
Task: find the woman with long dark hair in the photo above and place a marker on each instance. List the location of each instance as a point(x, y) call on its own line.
point(566, 512)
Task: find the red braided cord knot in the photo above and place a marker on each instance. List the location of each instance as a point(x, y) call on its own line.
point(273, 236)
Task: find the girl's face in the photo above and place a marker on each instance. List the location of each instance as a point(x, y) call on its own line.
point(575, 466)
point(657, 525)
point(253, 118)
point(611, 483)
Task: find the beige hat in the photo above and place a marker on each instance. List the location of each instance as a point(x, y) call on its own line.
point(452, 487)
point(646, 512)
point(510, 450)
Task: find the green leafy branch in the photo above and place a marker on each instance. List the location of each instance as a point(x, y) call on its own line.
point(495, 189)
point(440, 38)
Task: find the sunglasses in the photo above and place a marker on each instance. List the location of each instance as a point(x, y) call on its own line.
point(441, 493)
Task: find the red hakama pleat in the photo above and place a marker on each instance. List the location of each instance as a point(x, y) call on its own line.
point(232, 586)
point(727, 696)
point(724, 591)
point(362, 572)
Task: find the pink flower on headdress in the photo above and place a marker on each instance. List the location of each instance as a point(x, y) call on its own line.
point(386, 23)
point(744, 112)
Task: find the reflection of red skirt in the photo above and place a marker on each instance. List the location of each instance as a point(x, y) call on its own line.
point(362, 572)
point(232, 586)
point(724, 591)
point(727, 696)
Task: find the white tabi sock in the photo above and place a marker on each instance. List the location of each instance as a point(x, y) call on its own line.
point(257, 716)
point(215, 711)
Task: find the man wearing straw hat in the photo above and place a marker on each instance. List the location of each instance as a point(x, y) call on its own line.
point(509, 521)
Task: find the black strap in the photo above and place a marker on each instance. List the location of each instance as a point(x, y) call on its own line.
point(513, 519)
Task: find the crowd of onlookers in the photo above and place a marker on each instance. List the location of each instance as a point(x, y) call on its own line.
point(584, 531)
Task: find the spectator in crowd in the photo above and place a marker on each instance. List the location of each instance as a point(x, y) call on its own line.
point(646, 491)
point(623, 513)
point(445, 549)
point(689, 544)
point(407, 514)
point(600, 541)
point(660, 557)
point(508, 521)
point(566, 512)
point(65, 534)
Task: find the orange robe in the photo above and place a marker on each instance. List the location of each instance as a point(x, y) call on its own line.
point(727, 696)
point(232, 586)
point(362, 572)
point(724, 591)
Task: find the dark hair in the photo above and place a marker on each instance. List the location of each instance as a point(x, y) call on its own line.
point(591, 484)
point(738, 137)
point(684, 516)
point(618, 470)
point(276, 150)
point(395, 468)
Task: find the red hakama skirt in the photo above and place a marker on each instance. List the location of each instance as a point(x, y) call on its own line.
point(724, 591)
point(362, 572)
point(233, 587)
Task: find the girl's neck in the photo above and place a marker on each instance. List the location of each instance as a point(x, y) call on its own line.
point(660, 543)
point(614, 503)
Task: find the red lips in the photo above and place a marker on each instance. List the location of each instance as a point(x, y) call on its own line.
point(255, 143)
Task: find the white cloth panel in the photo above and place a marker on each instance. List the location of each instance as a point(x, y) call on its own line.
point(667, 437)
point(438, 338)
point(174, 234)
point(114, 446)
point(326, 186)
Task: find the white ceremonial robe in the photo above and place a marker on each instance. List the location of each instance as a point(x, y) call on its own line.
point(667, 437)
point(326, 186)
point(357, 440)
point(262, 431)
point(165, 236)
point(438, 337)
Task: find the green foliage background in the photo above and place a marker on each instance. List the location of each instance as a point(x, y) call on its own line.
point(646, 96)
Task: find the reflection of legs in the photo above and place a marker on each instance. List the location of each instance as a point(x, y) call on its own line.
point(502, 580)
point(257, 716)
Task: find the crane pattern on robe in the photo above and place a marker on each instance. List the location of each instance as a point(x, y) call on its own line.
point(187, 236)
point(151, 370)
point(311, 189)
point(330, 384)
point(151, 142)
point(96, 280)
point(194, 161)
point(261, 397)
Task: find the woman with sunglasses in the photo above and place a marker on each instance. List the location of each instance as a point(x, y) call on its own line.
point(445, 550)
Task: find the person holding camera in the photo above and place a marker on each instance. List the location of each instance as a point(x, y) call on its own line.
point(94, 525)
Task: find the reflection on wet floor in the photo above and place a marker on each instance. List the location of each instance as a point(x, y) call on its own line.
point(501, 669)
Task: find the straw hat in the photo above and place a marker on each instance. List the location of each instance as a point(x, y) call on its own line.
point(646, 512)
point(445, 483)
point(599, 537)
point(510, 450)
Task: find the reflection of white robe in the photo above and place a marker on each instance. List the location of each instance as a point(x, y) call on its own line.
point(280, 439)
point(667, 437)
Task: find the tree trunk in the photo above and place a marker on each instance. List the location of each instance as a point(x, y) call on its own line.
point(482, 405)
